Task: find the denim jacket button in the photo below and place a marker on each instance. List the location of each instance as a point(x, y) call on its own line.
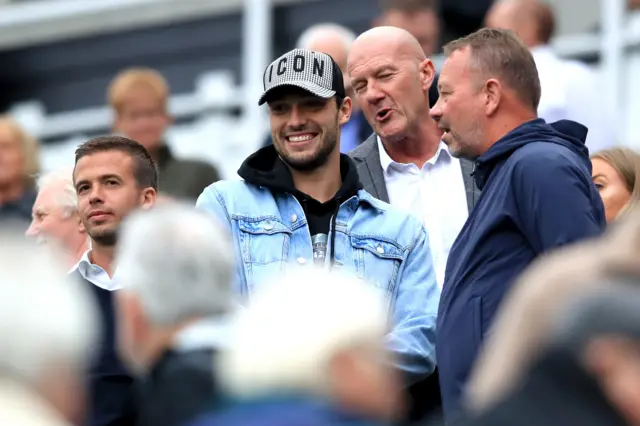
point(268, 226)
point(302, 260)
point(379, 249)
point(294, 217)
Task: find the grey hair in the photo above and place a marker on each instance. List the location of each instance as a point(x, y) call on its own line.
point(319, 31)
point(48, 319)
point(179, 261)
point(67, 198)
point(292, 328)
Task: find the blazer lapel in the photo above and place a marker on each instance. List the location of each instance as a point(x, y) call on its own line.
point(367, 159)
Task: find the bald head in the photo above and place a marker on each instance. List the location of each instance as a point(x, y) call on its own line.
point(387, 41)
point(332, 39)
point(532, 20)
point(391, 76)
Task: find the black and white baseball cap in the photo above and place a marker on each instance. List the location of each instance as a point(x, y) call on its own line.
point(315, 72)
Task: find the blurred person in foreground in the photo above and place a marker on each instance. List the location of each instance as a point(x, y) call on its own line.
point(19, 164)
point(589, 370)
point(535, 178)
point(523, 323)
point(175, 264)
point(420, 19)
point(139, 98)
point(329, 366)
point(301, 203)
point(113, 177)
point(336, 40)
point(48, 333)
point(55, 218)
point(616, 174)
point(405, 162)
point(570, 89)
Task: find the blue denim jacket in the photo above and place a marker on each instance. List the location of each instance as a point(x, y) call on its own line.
point(373, 240)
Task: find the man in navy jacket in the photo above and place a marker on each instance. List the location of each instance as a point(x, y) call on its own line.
point(537, 192)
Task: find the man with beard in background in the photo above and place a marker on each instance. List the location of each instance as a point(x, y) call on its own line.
point(113, 176)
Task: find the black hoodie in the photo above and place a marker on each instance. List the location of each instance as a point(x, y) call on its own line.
point(265, 168)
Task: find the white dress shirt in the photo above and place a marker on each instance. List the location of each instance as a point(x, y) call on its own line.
point(435, 194)
point(95, 274)
point(573, 91)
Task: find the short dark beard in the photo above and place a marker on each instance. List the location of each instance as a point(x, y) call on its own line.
point(106, 239)
point(321, 156)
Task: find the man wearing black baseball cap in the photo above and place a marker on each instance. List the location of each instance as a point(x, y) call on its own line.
point(301, 203)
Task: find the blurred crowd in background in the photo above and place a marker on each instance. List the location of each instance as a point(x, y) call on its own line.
point(455, 282)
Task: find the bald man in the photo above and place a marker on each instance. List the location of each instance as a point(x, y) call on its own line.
point(570, 89)
point(405, 163)
point(335, 40)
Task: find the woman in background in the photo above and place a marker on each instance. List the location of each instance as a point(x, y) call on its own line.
point(616, 174)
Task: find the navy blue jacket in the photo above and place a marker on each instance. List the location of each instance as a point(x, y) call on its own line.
point(111, 399)
point(537, 195)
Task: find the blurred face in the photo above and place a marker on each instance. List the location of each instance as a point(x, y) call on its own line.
point(365, 381)
point(423, 25)
point(12, 160)
point(611, 186)
point(391, 88)
point(107, 193)
point(460, 109)
point(143, 118)
point(54, 220)
point(305, 128)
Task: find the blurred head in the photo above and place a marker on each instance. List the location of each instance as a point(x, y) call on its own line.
point(19, 154)
point(48, 326)
point(616, 173)
point(488, 84)
point(307, 105)
point(332, 39)
point(113, 176)
point(159, 297)
point(139, 97)
point(55, 212)
point(532, 20)
point(418, 17)
point(391, 77)
point(522, 327)
point(334, 350)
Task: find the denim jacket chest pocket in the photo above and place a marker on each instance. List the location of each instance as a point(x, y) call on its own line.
point(264, 244)
point(377, 261)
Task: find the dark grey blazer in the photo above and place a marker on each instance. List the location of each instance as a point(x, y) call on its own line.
point(367, 159)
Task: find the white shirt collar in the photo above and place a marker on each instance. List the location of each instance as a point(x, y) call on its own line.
point(94, 273)
point(442, 154)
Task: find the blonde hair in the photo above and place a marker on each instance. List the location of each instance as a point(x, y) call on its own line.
point(29, 145)
point(626, 163)
point(134, 79)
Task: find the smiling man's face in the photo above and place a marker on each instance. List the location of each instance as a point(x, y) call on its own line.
point(305, 128)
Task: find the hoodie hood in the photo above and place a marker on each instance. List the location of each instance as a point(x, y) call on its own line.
point(265, 168)
point(567, 133)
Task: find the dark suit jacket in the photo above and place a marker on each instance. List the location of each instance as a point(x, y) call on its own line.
point(178, 389)
point(367, 159)
point(424, 396)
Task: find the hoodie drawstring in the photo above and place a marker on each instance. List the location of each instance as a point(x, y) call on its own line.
point(332, 229)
